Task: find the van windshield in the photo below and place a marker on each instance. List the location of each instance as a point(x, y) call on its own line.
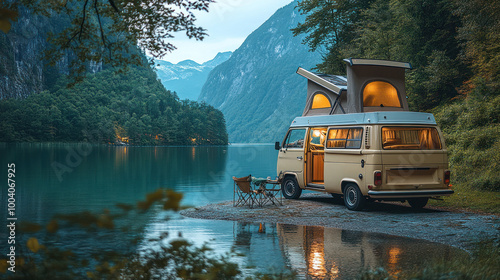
point(410, 138)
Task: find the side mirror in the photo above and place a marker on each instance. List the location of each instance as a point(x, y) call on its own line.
point(277, 146)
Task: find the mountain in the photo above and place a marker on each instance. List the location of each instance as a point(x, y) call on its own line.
point(187, 77)
point(22, 70)
point(257, 89)
point(36, 105)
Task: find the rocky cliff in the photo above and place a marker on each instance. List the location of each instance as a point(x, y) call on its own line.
point(257, 89)
point(22, 70)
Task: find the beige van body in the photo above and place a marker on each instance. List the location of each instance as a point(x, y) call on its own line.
point(385, 155)
point(357, 139)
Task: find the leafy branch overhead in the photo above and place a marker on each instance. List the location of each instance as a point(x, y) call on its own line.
point(109, 31)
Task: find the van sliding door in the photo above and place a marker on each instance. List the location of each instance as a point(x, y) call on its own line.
point(343, 158)
point(315, 171)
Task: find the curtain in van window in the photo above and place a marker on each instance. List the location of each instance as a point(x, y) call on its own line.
point(410, 138)
point(429, 139)
point(345, 138)
point(354, 138)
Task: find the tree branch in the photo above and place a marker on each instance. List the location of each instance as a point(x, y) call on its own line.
point(81, 26)
point(112, 3)
point(100, 23)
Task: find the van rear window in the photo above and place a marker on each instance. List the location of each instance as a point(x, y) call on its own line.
point(410, 138)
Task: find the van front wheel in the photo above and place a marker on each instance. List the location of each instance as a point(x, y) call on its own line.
point(290, 188)
point(418, 203)
point(353, 198)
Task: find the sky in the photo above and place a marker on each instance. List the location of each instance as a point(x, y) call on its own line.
point(228, 23)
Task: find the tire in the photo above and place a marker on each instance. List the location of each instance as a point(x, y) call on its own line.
point(290, 188)
point(353, 198)
point(418, 203)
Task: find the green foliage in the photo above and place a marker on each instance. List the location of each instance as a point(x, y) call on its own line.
point(433, 84)
point(483, 264)
point(421, 32)
point(6, 16)
point(480, 34)
point(378, 273)
point(110, 31)
point(328, 25)
point(472, 131)
point(108, 107)
point(176, 259)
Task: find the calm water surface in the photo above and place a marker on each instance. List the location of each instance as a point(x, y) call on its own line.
point(66, 178)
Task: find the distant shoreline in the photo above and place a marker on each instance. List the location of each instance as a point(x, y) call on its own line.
point(106, 144)
point(457, 229)
point(116, 145)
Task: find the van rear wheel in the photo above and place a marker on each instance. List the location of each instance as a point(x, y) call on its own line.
point(290, 188)
point(418, 203)
point(353, 198)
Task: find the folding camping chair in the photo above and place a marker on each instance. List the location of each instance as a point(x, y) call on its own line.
point(244, 192)
point(270, 195)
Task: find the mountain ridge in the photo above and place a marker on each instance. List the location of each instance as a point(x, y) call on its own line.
point(187, 77)
point(257, 88)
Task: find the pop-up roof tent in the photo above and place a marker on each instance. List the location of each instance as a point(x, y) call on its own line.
point(371, 85)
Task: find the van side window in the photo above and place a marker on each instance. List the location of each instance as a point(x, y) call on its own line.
point(317, 138)
point(410, 138)
point(295, 139)
point(344, 138)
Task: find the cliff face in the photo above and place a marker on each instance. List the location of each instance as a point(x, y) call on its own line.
point(22, 70)
point(257, 89)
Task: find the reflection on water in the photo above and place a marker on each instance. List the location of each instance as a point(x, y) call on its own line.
point(313, 252)
point(393, 260)
point(106, 175)
point(328, 253)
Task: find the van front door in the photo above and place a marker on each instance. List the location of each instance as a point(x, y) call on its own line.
point(291, 155)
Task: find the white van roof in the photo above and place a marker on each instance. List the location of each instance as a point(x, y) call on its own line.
point(366, 118)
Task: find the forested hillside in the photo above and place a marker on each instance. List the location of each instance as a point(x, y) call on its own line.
point(454, 48)
point(131, 106)
point(106, 107)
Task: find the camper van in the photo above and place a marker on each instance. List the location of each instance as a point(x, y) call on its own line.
point(357, 139)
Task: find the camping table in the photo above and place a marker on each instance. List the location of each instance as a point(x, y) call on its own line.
point(268, 194)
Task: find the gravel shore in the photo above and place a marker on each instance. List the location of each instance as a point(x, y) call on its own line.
point(458, 229)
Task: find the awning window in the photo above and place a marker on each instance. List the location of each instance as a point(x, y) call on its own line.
point(320, 101)
point(380, 94)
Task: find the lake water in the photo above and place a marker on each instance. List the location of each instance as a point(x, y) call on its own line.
point(66, 178)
